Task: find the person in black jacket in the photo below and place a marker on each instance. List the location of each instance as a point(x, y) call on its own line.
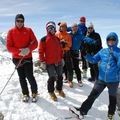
point(92, 50)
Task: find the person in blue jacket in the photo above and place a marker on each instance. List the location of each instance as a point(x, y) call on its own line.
point(109, 67)
point(77, 39)
point(82, 28)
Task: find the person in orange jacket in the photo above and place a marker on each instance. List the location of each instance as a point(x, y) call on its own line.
point(66, 42)
point(21, 41)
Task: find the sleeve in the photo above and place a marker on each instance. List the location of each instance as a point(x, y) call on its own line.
point(33, 43)
point(93, 59)
point(41, 50)
point(10, 44)
point(89, 40)
point(69, 29)
point(98, 42)
point(118, 60)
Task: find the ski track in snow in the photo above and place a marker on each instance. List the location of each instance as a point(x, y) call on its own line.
point(45, 109)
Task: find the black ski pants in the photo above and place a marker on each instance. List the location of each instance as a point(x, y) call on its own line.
point(75, 62)
point(94, 71)
point(68, 66)
point(99, 86)
point(25, 70)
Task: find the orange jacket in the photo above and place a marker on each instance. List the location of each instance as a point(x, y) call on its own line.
point(67, 37)
point(21, 38)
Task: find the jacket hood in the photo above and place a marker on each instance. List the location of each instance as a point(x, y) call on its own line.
point(114, 35)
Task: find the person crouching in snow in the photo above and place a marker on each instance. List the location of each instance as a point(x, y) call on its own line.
point(109, 67)
point(50, 53)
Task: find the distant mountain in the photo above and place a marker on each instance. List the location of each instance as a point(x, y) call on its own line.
point(3, 41)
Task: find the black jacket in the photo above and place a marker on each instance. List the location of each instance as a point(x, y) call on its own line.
point(93, 49)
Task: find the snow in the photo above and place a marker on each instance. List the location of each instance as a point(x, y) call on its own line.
point(45, 109)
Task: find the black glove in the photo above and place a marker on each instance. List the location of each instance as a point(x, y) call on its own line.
point(63, 42)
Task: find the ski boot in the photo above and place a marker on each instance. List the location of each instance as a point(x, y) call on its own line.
point(25, 98)
point(80, 83)
point(34, 97)
point(53, 96)
point(61, 93)
point(76, 111)
point(110, 117)
point(70, 84)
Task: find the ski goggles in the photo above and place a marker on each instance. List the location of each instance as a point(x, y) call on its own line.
point(50, 28)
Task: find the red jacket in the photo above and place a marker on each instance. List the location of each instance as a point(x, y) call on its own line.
point(50, 49)
point(21, 38)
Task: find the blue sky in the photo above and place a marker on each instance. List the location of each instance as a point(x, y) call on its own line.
point(104, 14)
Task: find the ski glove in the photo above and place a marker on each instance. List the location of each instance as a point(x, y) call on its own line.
point(24, 51)
point(63, 42)
point(43, 65)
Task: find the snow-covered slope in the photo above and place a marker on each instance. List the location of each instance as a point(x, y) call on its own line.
point(3, 41)
point(45, 109)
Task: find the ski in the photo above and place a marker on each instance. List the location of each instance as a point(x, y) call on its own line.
point(75, 112)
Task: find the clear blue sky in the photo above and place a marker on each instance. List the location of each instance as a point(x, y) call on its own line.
point(104, 14)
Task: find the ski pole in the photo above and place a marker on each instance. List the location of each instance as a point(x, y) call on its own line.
point(11, 75)
point(14, 71)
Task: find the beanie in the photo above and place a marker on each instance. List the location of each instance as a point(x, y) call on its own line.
point(19, 16)
point(82, 18)
point(50, 23)
point(91, 25)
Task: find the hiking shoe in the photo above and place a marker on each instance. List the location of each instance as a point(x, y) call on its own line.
point(77, 112)
point(80, 83)
point(34, 97)
point(61, 93)
point(53, 96)
point(110, 117)
point(25, 98)
point(70, 84)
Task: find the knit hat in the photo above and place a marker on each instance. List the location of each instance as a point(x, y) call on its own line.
point(19, 16)
point(50, 23)
point(82, 18)
point(91, 25)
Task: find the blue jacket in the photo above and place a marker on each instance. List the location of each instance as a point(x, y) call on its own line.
point(81, 28)
point(78, 39)
point(109, 63)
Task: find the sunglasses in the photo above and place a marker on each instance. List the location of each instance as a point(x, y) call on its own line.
point(74, 26)
point(50, 28)
point(90, 28)
point(82, 21)
point(111, 39)
point(20, 21)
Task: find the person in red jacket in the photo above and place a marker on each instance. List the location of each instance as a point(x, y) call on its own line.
point(50, 53)
point(21, 41)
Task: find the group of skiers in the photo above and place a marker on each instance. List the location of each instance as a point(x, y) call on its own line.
point(59, 52)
